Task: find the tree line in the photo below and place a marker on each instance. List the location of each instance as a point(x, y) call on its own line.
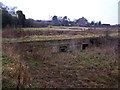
point(10, 18)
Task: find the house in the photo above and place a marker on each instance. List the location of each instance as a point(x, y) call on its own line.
point(82, 21)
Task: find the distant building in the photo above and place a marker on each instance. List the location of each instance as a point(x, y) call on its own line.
point(115, 25)
point(82, 21)
point(38, 20)
point(106, 25)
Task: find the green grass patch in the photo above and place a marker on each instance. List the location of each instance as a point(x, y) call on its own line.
point(8, 60)
point(10, 73)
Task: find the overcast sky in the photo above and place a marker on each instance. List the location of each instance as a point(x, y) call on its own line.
point(105, 11)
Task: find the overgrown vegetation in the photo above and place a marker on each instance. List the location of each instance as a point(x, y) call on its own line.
point(54, 33)
point(91, 68)
point(45, 64)
point(96, 67)
point(15, 73)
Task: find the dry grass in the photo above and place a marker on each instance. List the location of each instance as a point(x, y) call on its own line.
point(90, 68)
point(44, 38)
point(15, 73)
point(36, 34)
point(95, 67)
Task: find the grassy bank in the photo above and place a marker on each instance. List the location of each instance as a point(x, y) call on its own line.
point(90, 68)
point(35, 65)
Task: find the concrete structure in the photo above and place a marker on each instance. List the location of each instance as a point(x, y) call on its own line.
point(66, 45)
point(45, 49)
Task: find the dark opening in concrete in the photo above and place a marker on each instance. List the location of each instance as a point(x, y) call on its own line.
point(84, 46)
point(63, 48)
point(30, 50)
point(93, 40)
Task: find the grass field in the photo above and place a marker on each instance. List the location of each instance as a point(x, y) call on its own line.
point(56, 28)
point(95, 67)
point(91, 68)
point(44, 38)
point(54, 33)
